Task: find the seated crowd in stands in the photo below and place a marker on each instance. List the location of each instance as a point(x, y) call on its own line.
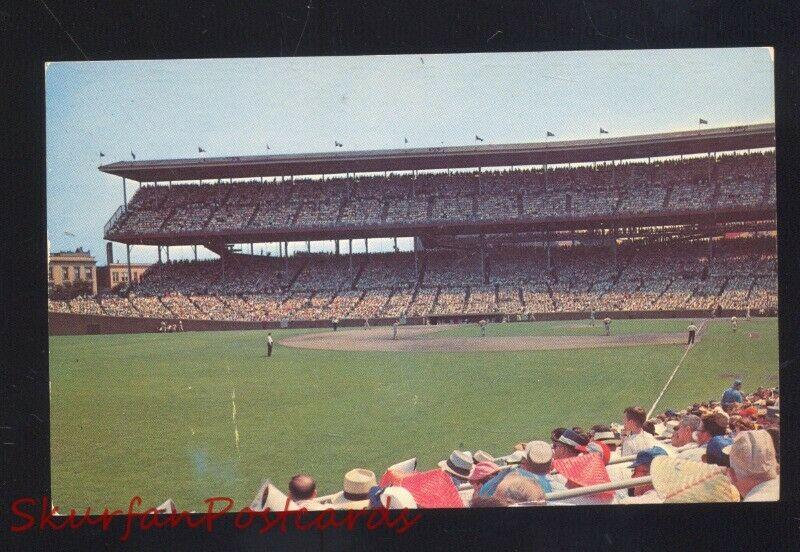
point(717, 451)
point(741, 274)
point(736, 181)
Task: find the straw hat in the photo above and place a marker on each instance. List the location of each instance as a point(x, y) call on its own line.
point(679, 480)
point(482, 456)
point(355, 490)
point(459, 464)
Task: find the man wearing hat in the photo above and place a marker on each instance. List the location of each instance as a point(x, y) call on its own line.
point(607, 325)
point(733, 395)
point(536, 465)
point(754, 466)
point(604, 434)
point(712, 425)
point(644, 494)
point(637, 439)
point(459, 466)
point(355, 491)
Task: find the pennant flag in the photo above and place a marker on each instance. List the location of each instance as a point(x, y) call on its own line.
point(68, 233)
point(337, 144)
point(703, 122)
point(432, 489)
point(603, 131)
point(550, 134)
point(102, 154)
point(679, 480)
point(267, 146)
point(200, 150)
point(133, 155)
point(406, 140)
point(422, 61)
point(478, 138)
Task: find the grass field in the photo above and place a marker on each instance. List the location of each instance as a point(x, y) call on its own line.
point(152, 414)
point(567, 327)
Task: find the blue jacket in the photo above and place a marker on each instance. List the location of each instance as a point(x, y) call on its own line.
point(732, 396)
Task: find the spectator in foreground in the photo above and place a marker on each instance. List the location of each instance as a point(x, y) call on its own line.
point(568, 443)
point(517, 489)
point(391, 498)
point(754, 466)
point(637, 439)
point(682, 435)
point(712, 425)
point(459, 466)
point(604, 434)
point(483, 472)
point(715, 450)
point(644, 494)
point(302, 488)
point(733, 394)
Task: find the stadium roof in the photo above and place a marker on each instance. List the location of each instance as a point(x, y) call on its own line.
point(501, 155)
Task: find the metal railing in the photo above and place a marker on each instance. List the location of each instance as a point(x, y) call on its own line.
point(113, 220)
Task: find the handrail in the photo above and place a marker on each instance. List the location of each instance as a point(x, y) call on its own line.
point(113, 220)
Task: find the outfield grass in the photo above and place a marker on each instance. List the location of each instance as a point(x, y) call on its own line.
point(566, 327)
point(151, 414)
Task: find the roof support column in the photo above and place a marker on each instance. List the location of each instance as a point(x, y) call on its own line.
point(286, 259)
point(336, 246)
point(125, 194)
point(251, 248)
point(350, 253)
point(159, 253)
point(366, 246)
point(395, 244)
point(128, 255)
point(194, 249)
point(167, 248)
point(484, 272)
point(308, 246)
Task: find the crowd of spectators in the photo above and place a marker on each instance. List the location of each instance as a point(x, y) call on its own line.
point(734, 274)
point(692, 184)
point(725, 450)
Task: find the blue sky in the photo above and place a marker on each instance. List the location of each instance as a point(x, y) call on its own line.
point(165, 109)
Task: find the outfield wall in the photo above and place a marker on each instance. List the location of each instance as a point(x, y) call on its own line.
point(60, 323)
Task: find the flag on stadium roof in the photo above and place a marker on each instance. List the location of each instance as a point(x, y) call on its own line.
point(603, 131)
point(703, 122)
point(133, 155)
point(478, 138)
point(550, 134)
point(406, 140)
point(200, 150)
point(337, 144)
point(267, 146)
point(102, 154)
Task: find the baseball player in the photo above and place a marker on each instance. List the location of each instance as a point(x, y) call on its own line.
point(394, 330)
point(692, 329)
point(607, 324)
point(734, 323)
point(482, 324)
point(270, 342)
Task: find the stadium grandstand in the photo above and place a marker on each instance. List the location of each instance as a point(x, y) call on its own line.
point(663, 223)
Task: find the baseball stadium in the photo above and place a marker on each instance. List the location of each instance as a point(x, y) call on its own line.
point(548, 285)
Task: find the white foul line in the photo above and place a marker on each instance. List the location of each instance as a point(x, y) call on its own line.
point(675, 371)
